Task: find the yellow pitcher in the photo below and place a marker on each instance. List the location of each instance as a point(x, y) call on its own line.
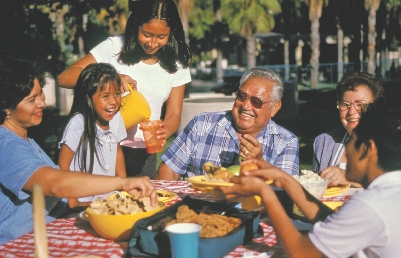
point(134, 108)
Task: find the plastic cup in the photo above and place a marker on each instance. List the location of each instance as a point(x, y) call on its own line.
point(184, 239)
point(149, 128)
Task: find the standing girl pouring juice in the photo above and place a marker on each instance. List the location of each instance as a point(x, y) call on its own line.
point(153, 56)
point(90, 141)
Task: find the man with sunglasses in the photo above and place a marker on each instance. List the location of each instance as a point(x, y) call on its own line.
point(245, 132)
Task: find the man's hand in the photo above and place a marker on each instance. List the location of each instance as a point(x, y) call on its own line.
point(250, 147)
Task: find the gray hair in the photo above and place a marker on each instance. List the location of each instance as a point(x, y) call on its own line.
point(268, 74)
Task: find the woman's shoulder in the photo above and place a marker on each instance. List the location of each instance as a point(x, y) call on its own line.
point(109, 45)
point(335, 134)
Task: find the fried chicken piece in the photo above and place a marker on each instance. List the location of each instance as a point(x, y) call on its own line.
point(186, 215)
point(215, 225)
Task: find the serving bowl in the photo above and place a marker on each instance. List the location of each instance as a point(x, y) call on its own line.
point(316, 189)
point(118, 227)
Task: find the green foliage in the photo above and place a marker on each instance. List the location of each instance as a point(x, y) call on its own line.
point(248, 17)
point(201, 19)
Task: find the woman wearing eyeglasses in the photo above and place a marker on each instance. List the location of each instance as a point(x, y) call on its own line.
point(355, 92)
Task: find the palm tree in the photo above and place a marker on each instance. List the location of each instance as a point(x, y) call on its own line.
point(372, 6)
point(288, 9)
point(315, 12)
point(249, 17)
point(339, 12)
point(185, 8)
point(217, 12)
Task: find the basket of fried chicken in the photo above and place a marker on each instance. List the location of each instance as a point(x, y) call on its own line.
point(224, 227)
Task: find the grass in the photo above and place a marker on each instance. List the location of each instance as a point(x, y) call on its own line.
point(317, 114)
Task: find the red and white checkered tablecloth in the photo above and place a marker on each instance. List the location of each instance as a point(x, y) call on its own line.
point(75, 237)
point(65, 239)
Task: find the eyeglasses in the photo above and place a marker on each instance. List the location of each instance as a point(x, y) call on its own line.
point(255, 101)
point(344, 106)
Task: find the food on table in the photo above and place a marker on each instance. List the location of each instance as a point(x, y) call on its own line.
point(221, 174)
point(215, 174)
point(213, 225)
point(308, 176)
point(312, 182)
point(118, 204)
point(164, 194)
point(234, 169)
point(248, 167)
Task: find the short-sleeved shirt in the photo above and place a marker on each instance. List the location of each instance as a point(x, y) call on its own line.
point(328, 148)
point(154, 82)
point(211, 137)
point(106, 144)
point(367, 225)
point(19, 159)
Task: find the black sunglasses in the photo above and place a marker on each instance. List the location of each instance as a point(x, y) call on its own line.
point(255, 101)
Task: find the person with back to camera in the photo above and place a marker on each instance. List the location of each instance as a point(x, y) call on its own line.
point(152, 56)
point(355, 92)
point(246, 131)
point(366, 225)
point(24, 164)
point(90, 141)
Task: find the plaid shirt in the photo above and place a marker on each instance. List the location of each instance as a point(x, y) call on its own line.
point(211, 137)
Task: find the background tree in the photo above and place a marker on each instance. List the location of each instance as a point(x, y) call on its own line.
point(249, 17)
point(372, 6)
point(288, 23)
point(315, 12)
point(185, 8)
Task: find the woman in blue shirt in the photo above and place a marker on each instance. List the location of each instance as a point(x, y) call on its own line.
point(23, 163)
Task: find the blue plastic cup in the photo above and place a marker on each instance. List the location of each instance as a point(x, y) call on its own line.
point(184, 239)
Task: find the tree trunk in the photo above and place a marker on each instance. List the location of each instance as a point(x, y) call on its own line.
point(286, 60)
point(220, 73)
point(185, 26)
point(340, 45)
point(250, 50)
point(57, 17)
point(315, 48)
point(184, 8)
point(372, 41)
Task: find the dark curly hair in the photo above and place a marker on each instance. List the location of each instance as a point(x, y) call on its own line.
point(176, 49)
point(17, 77)
point(352, 80)
point(382, 124)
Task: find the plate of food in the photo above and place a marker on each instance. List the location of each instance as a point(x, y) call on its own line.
point(334, 205)
point(335, 190)
point(217, 176)
point(204, 182)
point(166, 196)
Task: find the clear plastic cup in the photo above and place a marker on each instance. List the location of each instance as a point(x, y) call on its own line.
point(149, 128)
